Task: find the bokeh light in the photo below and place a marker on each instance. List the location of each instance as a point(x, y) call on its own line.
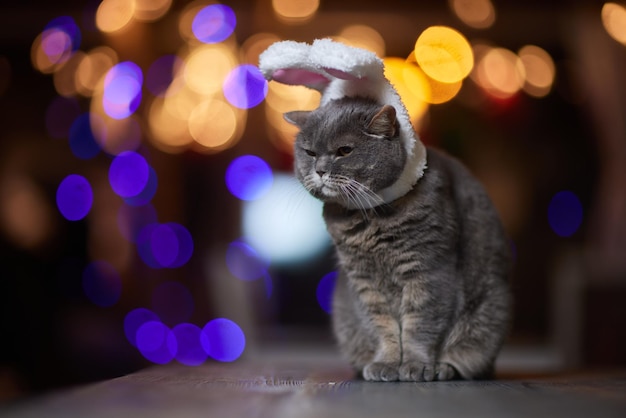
point(363, 36)
point(206, 67)
point(134, 320)
point(444, 54)
point(214, 23)
point(128, 174)
point(151, 10)
point(215, 125)
point(190, 350)
point(244, 262)
point(55, 45)
point(122, 90)
point(223, 340)
point(74, 197)
point(286, 225)
point(156, 342)
point(92, 68)
point(60, 115)
point(539, 70)
point(102, 283)
point(324, 291)
point(168, 245)
point(245, 86)
point(614, 21)
point(81, 138)
point(565, 213)
point(500, 72)
point(295, 11)
point(249, 177)
point(64, 78)
point(407, 79)
point(145, 196)
point(161, 73)
point(172, 302)
point(478, 14)
point(114, 15)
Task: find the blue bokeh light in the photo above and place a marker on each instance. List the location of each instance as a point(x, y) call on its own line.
point(244, 262)
point(214, 23)
point(102, 284)
point(60, 38)
point(168, 245)
point(223, 340)
point(74, 197)
point(249, 177)
point(128, 174)
point(190, 350)
point(82, 140)
point(161, 74)
point(245, 86)
point(60, 115)
point(132, 219)
point(172, 302)
point(122, 90)
point(324, 291)
point(134, 320)
point(156, 342)
point(145, 196)
point(565, 213)
point(68, 25)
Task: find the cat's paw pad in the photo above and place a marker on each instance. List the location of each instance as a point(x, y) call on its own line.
point(416, 371)
point(444, 371)
point(385, 372)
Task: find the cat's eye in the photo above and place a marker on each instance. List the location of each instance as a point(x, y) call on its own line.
point(310, 153)
point(343, 151)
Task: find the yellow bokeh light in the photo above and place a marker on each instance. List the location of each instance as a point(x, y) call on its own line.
point(295, 10)
point(214, 125)
point(151, 10)
point(426, 88)
point(255, 45)
point(64, 79)
point(539, 68)
point(363, 36)
point(614, 21)
point(114, 15)
point(167, 132)
point(501, 73)
point(93, 67)
point(395, 71)
point(207, 66)
point(479, 14)
point(49, 63)
point(444, 54)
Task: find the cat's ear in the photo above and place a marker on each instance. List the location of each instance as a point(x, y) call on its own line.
point(297, 117)
point(384, 123)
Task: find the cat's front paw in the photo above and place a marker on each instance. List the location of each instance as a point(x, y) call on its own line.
point(417, 371)
point(381, 372)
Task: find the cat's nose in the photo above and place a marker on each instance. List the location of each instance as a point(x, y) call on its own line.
point(320, 172)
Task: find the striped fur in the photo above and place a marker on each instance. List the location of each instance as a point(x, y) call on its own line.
point(422, 290)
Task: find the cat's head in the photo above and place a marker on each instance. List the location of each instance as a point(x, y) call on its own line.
point(348, 151)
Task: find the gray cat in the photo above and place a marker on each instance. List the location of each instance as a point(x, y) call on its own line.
point(422, 289)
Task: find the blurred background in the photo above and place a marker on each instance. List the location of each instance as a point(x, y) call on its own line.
point(147, 208)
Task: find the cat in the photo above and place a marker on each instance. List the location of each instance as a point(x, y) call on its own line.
point(422, 287)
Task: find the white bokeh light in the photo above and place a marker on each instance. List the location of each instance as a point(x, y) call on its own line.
point(286, 225)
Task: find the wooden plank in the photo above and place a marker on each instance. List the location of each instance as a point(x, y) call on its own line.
point(301, 389)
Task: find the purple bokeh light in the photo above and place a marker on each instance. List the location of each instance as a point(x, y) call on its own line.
point(565, 213)
point(249, 177)
point(60, 38)
point(214, 23)
point(134, 320)
point(190, 350)
point(168, 245)
point(172, 302)
point(128, 174)
point(132, 219)
point(324, 291)
point(244, 262)
point(245, 86)
point(156, 342)
point(161, 74)
point(122, 90)
point(74, 197)
point(102, 284)
point(145, 196)
point(223, 340)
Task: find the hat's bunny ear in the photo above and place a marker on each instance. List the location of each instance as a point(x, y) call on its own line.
point(288, 62)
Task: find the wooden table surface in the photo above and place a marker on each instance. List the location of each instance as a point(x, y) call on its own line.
point(316, 388)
